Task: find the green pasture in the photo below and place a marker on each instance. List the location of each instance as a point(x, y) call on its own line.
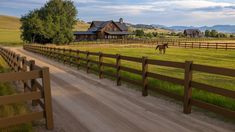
point(12, 109)
point(211, 57)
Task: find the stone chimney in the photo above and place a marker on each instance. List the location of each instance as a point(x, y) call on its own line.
point(121, 20)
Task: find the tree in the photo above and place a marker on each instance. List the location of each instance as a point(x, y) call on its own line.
point(155, 34)
point(213, 33)
point(52, 23)
point(207, 33)
point(139, 33)
point(149, 35)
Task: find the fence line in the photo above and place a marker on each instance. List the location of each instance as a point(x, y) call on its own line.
point(36, 83)
point(184, 43)
point(74, 57)
point(200, 45)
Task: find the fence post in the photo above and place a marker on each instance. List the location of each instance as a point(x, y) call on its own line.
point(100, 65)
point(87, 61)
point(226, 46)
point(70, 57)
point(24, 67)
point(64, 55)
point(144, 76)
point(118, 67)
point(47, 97)
point(18, 63)
point(78, 59)
point(187, 87)
point(32, 82)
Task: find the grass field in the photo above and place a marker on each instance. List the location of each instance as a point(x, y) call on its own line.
point(219, 58)
point(10, 31)
point(12, 109)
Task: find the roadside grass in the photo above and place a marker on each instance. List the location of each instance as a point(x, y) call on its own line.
point(211, 57)
point(12, 109)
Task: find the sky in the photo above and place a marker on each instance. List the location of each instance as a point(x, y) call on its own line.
point(163, 12)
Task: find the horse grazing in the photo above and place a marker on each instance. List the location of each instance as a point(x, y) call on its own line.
point(162, 47)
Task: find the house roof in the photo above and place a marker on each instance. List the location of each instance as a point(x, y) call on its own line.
point(83, 32)
point(98, 25)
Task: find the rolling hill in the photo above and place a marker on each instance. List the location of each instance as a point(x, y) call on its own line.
point(9, 22)
point(10, 29)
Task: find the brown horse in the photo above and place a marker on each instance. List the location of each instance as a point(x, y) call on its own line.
point(162, 47)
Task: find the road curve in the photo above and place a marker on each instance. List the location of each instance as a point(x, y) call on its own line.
point(84, 103)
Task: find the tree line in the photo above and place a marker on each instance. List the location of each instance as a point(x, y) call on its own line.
point(208, 33)
point(52, 23)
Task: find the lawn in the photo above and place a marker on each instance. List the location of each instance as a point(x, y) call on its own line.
point(211, 57)
point(12, 109)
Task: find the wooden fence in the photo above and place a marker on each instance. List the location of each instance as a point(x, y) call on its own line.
point(151, 40)
point(178, 43)
point(36, 83)
point(74, 57)
point(200, 45)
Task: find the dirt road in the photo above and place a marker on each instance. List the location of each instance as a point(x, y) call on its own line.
point(84, 103)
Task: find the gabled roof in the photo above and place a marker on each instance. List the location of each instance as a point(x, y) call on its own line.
point(98, 25)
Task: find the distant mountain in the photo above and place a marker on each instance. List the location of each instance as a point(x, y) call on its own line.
point(220, 28)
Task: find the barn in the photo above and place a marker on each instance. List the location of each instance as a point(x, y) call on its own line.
point(193, 33)
point(103, 30)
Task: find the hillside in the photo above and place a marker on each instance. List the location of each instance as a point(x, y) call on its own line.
point(10, 29)
point(81, 26)
point(148, 28)
point(9, 22)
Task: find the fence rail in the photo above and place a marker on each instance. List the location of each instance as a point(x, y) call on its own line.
point(74, 57)
point(36, 85)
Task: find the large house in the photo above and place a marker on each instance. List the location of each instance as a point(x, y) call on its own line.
point(103, 30)
point(193, 33)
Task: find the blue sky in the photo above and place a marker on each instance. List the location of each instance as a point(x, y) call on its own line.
point(164, 12)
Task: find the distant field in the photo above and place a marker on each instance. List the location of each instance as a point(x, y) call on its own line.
point(10, 36)
point(10, 23)
point(81, 26)
point(9, 30)
point(151, 30)
point(212, 57)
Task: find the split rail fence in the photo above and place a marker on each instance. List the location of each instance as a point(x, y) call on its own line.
point(180, 43)
point(74, 57)
point(183, 44)
point(36, 84)
point(201, 45)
